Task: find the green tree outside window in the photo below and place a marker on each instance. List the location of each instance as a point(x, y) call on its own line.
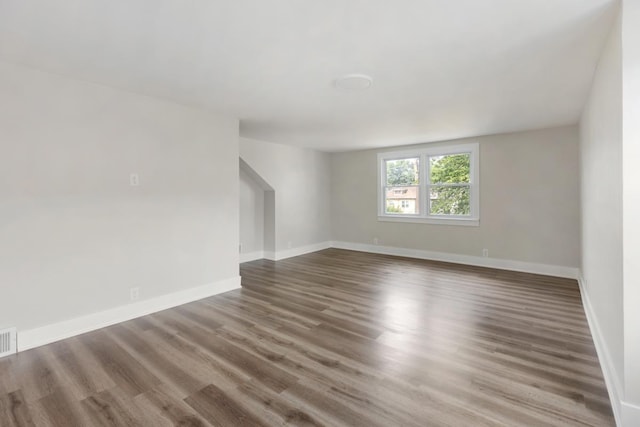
point(450, 190)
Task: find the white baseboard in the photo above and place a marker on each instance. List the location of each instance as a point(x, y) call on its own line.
point(251, 256)
point(80, 325)
point(606, 362)
point(630, 415)
point(284, 254)
point(502, 264)
point(301, 250)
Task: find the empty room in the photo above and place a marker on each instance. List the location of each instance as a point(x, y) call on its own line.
point(320, 213)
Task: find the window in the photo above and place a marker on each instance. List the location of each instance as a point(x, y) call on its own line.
point(401, 185)
point(434, 185)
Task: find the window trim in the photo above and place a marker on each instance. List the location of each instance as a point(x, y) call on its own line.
point(423, 154)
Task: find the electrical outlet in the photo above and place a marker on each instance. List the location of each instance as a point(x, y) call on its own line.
point(485, 252)
point(375, 240)
point(134, 180)
point(289, 244)
point(134, 293)
point(240, 248)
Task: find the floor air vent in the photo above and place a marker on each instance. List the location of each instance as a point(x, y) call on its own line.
point(7, 342)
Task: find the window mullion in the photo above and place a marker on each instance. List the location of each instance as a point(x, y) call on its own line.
point(383, 184)
point(424, 185)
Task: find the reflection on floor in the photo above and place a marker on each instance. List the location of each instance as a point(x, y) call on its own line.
point(331, 338)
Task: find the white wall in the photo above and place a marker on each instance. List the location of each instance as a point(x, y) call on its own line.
point(601, 189)
point(529, 202)
point(300, 179)
point(610, 155)
point(251, 215)
point(631, 206)
point(74, 236)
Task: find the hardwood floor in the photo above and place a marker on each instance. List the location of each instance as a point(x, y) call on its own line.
point(335, 338)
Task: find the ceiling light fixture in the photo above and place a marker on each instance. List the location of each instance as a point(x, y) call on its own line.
point(354, 82)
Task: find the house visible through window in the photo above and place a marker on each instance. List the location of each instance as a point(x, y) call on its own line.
point(437, 185)
point(401, 185)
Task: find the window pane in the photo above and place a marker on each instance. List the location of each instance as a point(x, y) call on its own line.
point(402, 200)
point(450, 169)
point(447, 200)
point(403, 171)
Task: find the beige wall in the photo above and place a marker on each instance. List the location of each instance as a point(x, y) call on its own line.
point(300, 179)
point(74, 235)
point(601, 180)
point(529, 202)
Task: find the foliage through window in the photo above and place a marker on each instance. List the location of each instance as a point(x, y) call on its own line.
point(432, 184)
point(449, 188)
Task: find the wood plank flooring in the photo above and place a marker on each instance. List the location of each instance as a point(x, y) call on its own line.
point(333, 338)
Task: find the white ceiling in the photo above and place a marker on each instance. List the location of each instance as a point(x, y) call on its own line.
point(442, 68)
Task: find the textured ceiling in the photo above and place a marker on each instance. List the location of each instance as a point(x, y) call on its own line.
point(442, 69)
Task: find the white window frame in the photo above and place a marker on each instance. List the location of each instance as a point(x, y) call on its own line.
point(423, 200)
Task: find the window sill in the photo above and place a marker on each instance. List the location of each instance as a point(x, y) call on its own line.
point(465, 222)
